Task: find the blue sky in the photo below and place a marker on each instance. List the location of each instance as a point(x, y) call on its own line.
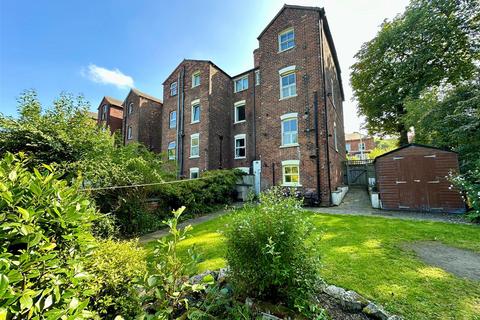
point(102, 47)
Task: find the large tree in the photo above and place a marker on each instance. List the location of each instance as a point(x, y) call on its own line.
point(432, 42)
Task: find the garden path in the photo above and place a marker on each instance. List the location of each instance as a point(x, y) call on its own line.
point(357, 202)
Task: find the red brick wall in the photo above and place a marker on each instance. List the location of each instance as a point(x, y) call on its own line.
point(114, 116)
point(354, 145)
point(145, 121)
point(305, 56)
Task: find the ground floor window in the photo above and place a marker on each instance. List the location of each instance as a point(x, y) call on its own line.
point(171, 150)
point(240, 146)
point(291, 173)
point(195, 145)
point(194, 173)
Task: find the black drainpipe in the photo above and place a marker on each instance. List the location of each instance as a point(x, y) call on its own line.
point(326, 112)
point(273, 173)
point(254, 129)
point(180, 110)
point(317, 144)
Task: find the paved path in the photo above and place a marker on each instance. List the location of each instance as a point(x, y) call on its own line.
point(357, 202)
point(163, 232)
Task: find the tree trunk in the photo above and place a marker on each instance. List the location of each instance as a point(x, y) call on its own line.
point(403, 136)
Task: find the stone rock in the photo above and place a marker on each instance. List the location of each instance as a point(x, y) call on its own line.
point(352, 301)
point(249, 302)
point(395, 318)
point(375, 312)
point(268, 316)
point(334, 291)
point(199, 277)
point(222, 275)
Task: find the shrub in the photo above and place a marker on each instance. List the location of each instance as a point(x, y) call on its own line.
point(267, 252)
point(169, 278)
point(469, 183)
point(118, 268)
point(44, 232)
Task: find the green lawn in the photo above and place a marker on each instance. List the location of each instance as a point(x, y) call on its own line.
point(365, 254)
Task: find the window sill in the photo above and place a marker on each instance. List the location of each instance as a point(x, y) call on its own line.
point(289, 145)
point(240, 158)
point(286, 98)
point(280, 51)
point(240, 90)
point(291, 185)
point(196, 86)
point(193, 122)
point(194, 157)
point(242, 121)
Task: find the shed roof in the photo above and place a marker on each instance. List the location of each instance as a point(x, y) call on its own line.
point(413, 145)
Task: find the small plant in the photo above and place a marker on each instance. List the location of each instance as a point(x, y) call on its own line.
point(469, 184)
point(117, 269)
point(268, 254)
point(169, 280)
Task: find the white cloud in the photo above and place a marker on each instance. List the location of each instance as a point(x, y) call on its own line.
point(105, 76)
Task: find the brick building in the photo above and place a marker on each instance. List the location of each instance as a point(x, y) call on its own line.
point(284, 117)
point(110, 114)
point(359, 145)
point(142, 120)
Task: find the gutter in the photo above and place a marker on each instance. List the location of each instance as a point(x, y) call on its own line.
point(180, 110)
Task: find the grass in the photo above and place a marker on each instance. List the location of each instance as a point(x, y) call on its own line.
point(367, 254)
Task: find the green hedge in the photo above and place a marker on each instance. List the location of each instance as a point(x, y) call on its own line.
point(132, 212)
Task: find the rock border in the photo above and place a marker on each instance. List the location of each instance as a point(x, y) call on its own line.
point(352, 301)
point(349, 300)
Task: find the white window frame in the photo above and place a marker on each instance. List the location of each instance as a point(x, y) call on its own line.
point(290, 163)
point(288, 117)
point(348, 147)
point(130, 108)
point(173, 89)
point(169, 148)
point(285, 72)
point(194, 104)
point(245, 77)
point(280, 41)
point(170, 119)
point(192, 146)
point(240, 137)
point(196, 75)
point(236, 105)
point(257, 77)
point(361, 146)
point(194, 170)
point(129, 133)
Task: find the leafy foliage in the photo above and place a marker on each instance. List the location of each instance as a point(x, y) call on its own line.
point(169, 279)
point(383, 146)
point(432, 42)
point(117, 269)
point(449, 118)
point(469, 183)
point(62, 134)
point(267, 252)
point(45, 231)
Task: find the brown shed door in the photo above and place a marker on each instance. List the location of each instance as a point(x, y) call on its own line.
point(416, 182)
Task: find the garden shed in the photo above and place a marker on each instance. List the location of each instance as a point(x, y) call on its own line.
point(414, 177)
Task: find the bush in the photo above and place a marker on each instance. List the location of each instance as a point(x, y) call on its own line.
point(118, 268)
point(469, 184)
point(44, 231)
point(267, 252)
point(215, 187)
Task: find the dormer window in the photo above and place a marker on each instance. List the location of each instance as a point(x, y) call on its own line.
point(286, 40)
